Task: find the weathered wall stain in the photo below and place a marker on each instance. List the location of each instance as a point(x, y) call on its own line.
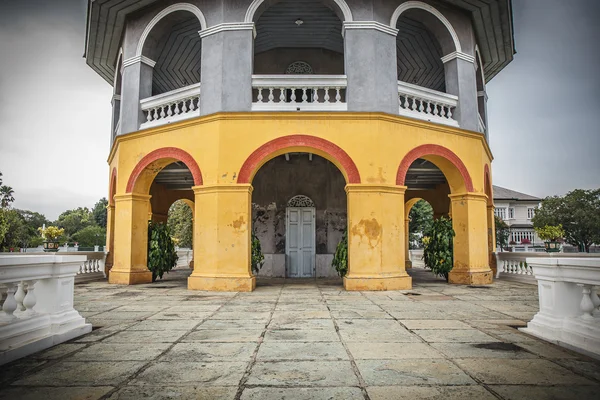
point(369, 229)
point(377, 179)
point(238, 223)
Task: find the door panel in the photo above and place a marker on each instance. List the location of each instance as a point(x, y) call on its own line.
point(300, 242)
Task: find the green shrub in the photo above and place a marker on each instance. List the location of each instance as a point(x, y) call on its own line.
point(340, 259)
point(550, 233)
point(162, 256)
point(258, 258)
point(438, 251)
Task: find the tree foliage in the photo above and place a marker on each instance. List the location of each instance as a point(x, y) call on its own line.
point(340, 258)
point(579, 214)
point(180, 223)
point(257, 256)
point(90, 236)
point(502, 232)
point(100, 212)
point(75, 220)
point(421, 217)
point(6, 194)
point(438, 251)
point(162, 256)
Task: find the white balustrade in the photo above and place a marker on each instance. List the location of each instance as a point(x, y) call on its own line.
point(37, 303)
point(568, 298)
point(426, 104)
point(173, 106)
point(299, 93)
point(184, 257)
point(515, 264)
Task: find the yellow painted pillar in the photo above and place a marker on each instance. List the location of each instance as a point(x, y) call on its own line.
point(222, 238)
point(492, 238)
point(110, 238)
point(131, 240)
point(407, 261)
point(376, 238)
point(471, 258)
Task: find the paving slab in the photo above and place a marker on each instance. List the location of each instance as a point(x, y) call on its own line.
point(224, 335)
point(521, 392)
point(191, 374)
point(302, 335)
point(429, 393)
point(180, 393)
point(392, 351)
point(303, 373)
point(434, 324)
point(520, 372)
point(120, 352)
point(410, 372)
point(333, 351)
point(483, 350)
point(203, 351)
point(140, 337)
point(83, 373)
point(454, 336)
point(55, 393)
point(326, 393)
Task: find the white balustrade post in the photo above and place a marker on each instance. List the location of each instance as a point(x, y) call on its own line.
point(596, 301)
point(96, 248)
point(587, 306)
point(10, 304)
point(30, 300)
point(19, 296)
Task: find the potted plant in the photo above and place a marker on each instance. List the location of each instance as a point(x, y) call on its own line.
point(551, 236)
point(51, 235)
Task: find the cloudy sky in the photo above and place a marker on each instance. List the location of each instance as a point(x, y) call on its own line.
point(55, 111)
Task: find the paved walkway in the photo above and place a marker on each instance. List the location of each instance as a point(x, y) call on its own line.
point(304, 340)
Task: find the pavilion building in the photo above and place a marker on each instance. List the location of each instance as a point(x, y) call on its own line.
point(299, 119)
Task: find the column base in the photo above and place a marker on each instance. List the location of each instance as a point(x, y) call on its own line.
point(407, 264)
point(129, 277)
point(471, 277)
point(372, 284)
point(222, 283)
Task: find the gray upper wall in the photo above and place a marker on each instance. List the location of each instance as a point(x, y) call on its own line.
point(113, 26)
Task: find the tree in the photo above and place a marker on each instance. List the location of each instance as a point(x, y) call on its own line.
point(421, 219)
point(90, 236)
point(579, 214)
point(100, 213)
point(180, 223)
point(3, 225)
point(75, 220)
point(6, 194)
point(502, 232)
point(17, 234)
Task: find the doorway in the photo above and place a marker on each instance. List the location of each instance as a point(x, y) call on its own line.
point(300, 238)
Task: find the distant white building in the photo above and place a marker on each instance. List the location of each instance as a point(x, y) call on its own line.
point(517, 209)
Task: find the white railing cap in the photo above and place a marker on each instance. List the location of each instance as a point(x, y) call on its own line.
point(299, 80)
point(170, 97)
point(427, 94)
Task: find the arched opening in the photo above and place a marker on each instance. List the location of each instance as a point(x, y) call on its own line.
point(180, 221)
point(298, 54)
point(299, 214)
point(424, 38)
point(418, 218)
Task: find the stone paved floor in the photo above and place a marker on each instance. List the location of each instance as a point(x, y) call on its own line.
point(304, 340)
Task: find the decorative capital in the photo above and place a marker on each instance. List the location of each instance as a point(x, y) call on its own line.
point(369, 25)
point(460, 55)
point(223, 188)
point(228, 26)
point(375, 188)
point(137, 59)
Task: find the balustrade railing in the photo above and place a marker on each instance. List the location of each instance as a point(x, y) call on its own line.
point(569, 312)
point(299, 93)
point(37, 303)
point(173, 106)
point(426, 104)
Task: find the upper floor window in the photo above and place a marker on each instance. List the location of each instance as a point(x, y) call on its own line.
point(500, 213)
point(511, 213)
point(530, 213)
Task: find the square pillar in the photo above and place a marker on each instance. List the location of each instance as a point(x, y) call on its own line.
point(371, 67)
point(407, 260)
point(227, 63)
point(136, 85)
point(376, 238)
point(492, 239)
point(461, 81)
point(222, 238)
point(130, 265)
point(110, 238)
point(471, 257)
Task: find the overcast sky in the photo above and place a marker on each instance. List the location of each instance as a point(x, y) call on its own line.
point(55, 111)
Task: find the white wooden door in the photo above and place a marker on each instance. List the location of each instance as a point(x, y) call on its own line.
point(300, 242)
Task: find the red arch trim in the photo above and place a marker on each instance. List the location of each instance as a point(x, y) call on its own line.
point(165, 152)
point(433, 150)
point(254, 161)
point(112, 187)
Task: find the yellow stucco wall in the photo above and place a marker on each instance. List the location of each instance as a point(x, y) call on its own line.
point(376, 143)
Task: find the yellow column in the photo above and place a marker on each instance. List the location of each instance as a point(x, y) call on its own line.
point(492, 238)
point(222, 239)
point(110, 238)
point(407, 261)
point(131, 240)
point(376, 238)
point(471, 259)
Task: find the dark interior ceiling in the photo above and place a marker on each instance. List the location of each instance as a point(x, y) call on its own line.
point(175, 176)
point(177, 52)
point(419, 55)
point(423, 175)
point(320, 28)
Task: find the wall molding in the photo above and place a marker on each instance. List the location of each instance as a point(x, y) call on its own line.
point(378, 26)
point(137, 59)
point(460, 55)
point(228, 26)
